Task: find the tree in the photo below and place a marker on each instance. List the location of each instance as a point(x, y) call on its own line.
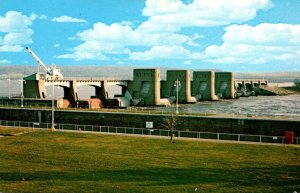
point(297, 83)
point(171, 123)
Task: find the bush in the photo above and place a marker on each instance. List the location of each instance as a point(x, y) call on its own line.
point(297, 83)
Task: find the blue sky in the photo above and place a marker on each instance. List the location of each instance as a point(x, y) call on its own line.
point(231, 35)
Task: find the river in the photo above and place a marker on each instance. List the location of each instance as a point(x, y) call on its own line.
point(269, 106)
point(282, 106)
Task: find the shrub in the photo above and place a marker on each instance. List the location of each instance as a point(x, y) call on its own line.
point(297, 83)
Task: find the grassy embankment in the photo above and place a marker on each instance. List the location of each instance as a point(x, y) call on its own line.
point(41, 161)
point(294, 89)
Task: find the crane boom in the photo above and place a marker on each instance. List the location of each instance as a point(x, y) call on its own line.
point(39, 61)
point(52, 73)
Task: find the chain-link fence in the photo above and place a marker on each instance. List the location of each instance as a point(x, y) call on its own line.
point(151, 132)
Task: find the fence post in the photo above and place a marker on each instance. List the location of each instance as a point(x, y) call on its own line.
point(218, 136)
point(239, 137)
point(260, 139)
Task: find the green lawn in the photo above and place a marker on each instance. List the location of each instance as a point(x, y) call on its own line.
point(41, 161)
point(9, 131)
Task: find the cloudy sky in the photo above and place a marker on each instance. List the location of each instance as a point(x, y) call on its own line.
point(232, 35)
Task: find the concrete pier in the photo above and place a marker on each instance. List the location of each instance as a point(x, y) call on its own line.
point(184, 88)
point(224, 85)
point(203, 86)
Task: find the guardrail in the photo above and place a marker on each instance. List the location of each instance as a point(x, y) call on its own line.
point(151, 132)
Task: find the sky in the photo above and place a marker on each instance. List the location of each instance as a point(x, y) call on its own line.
point(230, 35)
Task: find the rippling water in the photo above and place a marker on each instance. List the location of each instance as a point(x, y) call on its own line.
point(270, 106)
point(287, 106)
point(260, 105)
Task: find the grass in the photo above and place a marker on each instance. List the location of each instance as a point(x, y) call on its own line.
point(41, 161)
point(8, 131)
point(293, 88)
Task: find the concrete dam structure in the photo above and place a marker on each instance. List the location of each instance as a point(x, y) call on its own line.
point(146, 89)
point(247, 88)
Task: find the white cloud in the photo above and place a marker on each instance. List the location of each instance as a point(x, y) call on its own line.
point(81, 56)
point(14, 22)
point(65, 19)
point(11, 48)
point(263, 34)
point(56, 45)
point(162, 29)
point(43, 17)
point(18, 38)
point(5, 61)
point(257, 44)
point(127, 22)
point(165, 52)
point(116, 38)
point(174, 14)
point(187, 62)
point(33, 16)
point(16, 31)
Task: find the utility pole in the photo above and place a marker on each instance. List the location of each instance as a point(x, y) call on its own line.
point(22, 81)
point(177, 84)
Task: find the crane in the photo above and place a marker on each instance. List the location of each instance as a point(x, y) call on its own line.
point(52, 73)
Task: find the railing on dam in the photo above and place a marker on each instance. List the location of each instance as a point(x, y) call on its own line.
point(151, 132)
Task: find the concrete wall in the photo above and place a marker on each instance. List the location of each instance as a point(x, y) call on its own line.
point(203, 85)
point(184, 90)
point(71, 93)
point(34, 89)
point(145, 87)
point(192, 123)
point(224, 85)
point(31, 102)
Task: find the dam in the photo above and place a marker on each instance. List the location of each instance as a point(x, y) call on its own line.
point(145, 89)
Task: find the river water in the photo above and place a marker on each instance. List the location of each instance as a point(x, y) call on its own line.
point(274, 106)
point(269, 106)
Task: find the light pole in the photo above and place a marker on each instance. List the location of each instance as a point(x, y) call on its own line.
point(22, 96)
point(177, 84)
point(52, 118)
